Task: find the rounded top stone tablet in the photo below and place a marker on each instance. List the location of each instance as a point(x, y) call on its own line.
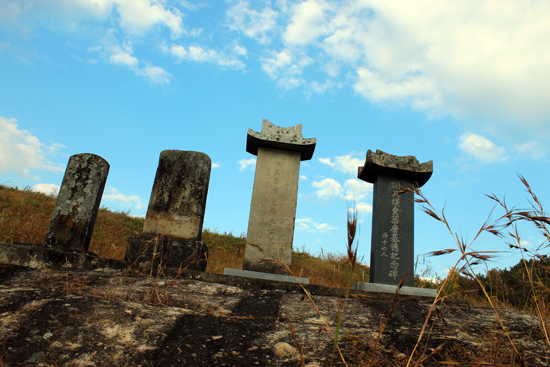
point(404, 167)
point(287, 138)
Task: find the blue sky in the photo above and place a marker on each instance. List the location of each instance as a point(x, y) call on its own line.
point(465, 84)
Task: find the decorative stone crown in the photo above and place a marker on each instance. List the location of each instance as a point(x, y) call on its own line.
point(286, 138)
point(404, 167)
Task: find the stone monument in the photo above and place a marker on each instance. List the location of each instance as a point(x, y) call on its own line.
point(273, 209)
point(77, 204)
point(392, 241)
point(173, 224)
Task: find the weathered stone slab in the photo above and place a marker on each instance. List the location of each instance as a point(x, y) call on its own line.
point(75, 210)
point(273, 209)
point(268, 276)
point(178, 198)
point(390, 289)
point(392, 238)
point(173, 224)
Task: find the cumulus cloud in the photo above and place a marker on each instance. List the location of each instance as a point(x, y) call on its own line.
point(481, 148)
point(48, 189)
point(534, 150)
point(252, 23)
point(216, 165)
point(134, 17)
point(247, 163)
point(327, 188)
point(310, 19)
point(122, 55)
point(114, 195)
point(363, 208)
point(356, 190)
point(155, 74)
point(308, 224)
point(199, 54)
point(21, 152)
point(345, 163)
point(484, 62)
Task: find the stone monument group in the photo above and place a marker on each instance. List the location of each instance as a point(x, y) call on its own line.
point(172, 229)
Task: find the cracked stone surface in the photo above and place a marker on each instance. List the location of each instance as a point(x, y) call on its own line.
point(96, 318)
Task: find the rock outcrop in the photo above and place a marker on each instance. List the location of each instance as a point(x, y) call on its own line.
point(64, 316)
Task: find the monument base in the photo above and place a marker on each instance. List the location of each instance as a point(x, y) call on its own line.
point(167, 251)
point(387, 288)
point(267, 276)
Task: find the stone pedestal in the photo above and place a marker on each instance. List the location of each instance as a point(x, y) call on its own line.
point(392, 241)
point(173, 224)
point(273, 208)
point(77, 204)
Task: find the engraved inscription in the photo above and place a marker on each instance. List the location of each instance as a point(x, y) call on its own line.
point(394, 230)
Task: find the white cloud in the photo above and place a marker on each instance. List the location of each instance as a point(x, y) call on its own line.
point(484, 63)
point(363, 208)
point(357, 190)
point(139, 16)
point(247, 162)
point(534, 150)
point(303, 177)
point(327, 188)
point(285, 64)
point(345, 163)
point(239, 50)
point(308, 224)
point(253, 23)
point(156, 74)
point(21, 152)
point(481, 148)
point(135, 17)
point(122, 55)
point(112, 194)
point(215, 165)
point(199, 54)
point(48, 189)
point(309, 21)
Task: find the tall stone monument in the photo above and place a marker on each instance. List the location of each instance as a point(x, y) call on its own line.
point(173, 224)
point(75, 210)
point(273, 208)
point(392, 242)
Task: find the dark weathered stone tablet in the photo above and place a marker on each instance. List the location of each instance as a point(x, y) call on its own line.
point(75, 210)
point(173, 224)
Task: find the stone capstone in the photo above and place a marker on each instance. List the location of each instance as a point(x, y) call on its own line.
point(285, 138)
point(404, 167)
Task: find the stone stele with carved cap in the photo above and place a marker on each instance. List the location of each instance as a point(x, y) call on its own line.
point(392, 241)
point(273, 209)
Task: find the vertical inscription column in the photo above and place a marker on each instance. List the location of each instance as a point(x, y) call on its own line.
point(392, 241)
point(273, 208)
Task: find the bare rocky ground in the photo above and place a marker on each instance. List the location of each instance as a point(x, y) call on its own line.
point(64, 316)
